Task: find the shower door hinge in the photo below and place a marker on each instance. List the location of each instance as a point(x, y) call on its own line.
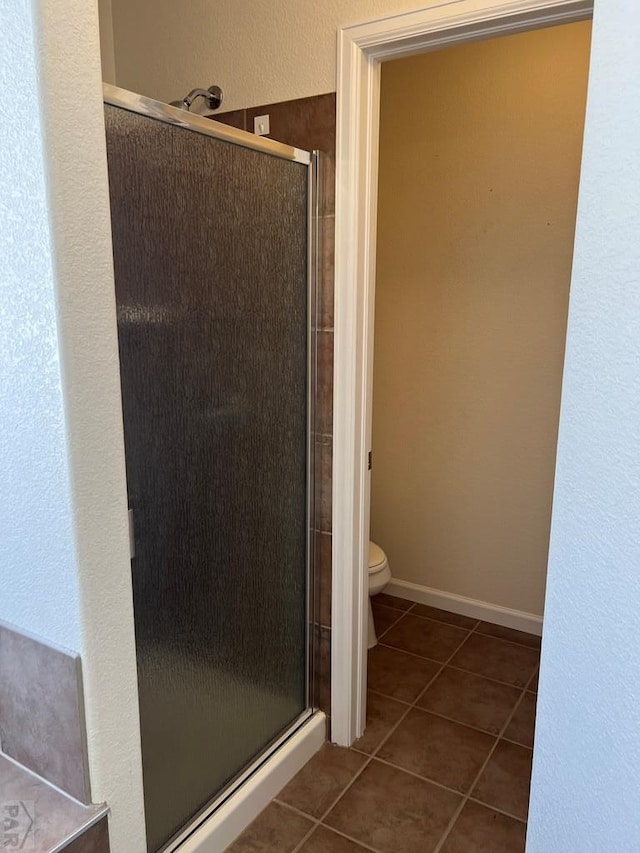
point(369, 461)
point(132, 536)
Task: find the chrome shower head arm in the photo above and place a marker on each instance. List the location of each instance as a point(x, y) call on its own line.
point(213, 96)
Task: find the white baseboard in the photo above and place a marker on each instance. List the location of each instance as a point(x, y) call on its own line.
point(226, 824)
point(471, 607)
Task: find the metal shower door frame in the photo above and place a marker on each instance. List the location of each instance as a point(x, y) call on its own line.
point(122, 98)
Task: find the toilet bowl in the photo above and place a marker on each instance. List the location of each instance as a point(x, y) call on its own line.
point(379, 577)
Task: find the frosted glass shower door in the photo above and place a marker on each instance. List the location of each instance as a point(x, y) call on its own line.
point(211, 269)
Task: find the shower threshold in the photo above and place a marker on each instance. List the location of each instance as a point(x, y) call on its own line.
point(223, 820)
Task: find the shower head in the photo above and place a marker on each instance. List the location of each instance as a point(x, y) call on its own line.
point(213, 96)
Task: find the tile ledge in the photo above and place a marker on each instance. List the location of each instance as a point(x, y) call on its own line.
point(18, 782)
point(37, 638)
point(103, 811)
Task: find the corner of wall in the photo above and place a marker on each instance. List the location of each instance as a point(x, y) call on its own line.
point(78, 203)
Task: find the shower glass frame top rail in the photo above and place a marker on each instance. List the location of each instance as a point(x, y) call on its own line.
point(159, 111)
point(142, 105)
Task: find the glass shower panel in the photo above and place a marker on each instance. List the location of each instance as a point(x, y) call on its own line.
point(210, 251)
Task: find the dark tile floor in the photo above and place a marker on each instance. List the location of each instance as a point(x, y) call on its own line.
point(444, 765)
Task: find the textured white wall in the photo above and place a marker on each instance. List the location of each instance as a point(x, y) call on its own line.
point(586, 780)
point(65, 565)
point(259, 52)
point(39, 588)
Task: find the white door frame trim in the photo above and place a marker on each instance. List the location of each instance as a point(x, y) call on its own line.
point(361, 49)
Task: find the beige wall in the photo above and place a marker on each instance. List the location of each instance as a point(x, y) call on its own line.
point(260, 53)
point(107, 47)
point(479, 167)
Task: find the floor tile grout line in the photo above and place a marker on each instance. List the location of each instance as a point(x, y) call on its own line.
point(441, 716)
point(395, 726)
point(306, 837)
point(412, 706)
point(419, 776)
point(478, 802)
point(502, 731)
point(370, 757)
point(460, 722)
point(449, 624)
point(393, 624)
point(336, 799)
point(346, 835)
point(482, 633)
point(445, 664)
point(509, 642)
point(469, 632)
point(315, 823)
point(466, 798)
point(295, 810)
point(497, 738)
point(516, 742)
point(413, 654)
point(378, 598)
point(421, 693)
point(410, 612)
point(475, 629)
point(413, 612)
point(458, 669)
point(376, 605)
point(495, 680)
point(535, 672)
point(448, 788)
point(386, 696)
point(506, 628)
point(448, 662)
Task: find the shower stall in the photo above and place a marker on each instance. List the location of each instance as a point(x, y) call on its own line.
point(214, 257)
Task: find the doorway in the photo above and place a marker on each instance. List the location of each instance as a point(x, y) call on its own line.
point(362, 50)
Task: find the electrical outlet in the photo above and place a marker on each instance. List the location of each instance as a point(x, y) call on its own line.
point(261, 125)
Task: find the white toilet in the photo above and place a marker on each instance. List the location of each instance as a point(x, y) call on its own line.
point(379, 577)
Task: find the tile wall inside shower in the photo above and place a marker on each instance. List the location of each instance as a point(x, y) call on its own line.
point(310, 124)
